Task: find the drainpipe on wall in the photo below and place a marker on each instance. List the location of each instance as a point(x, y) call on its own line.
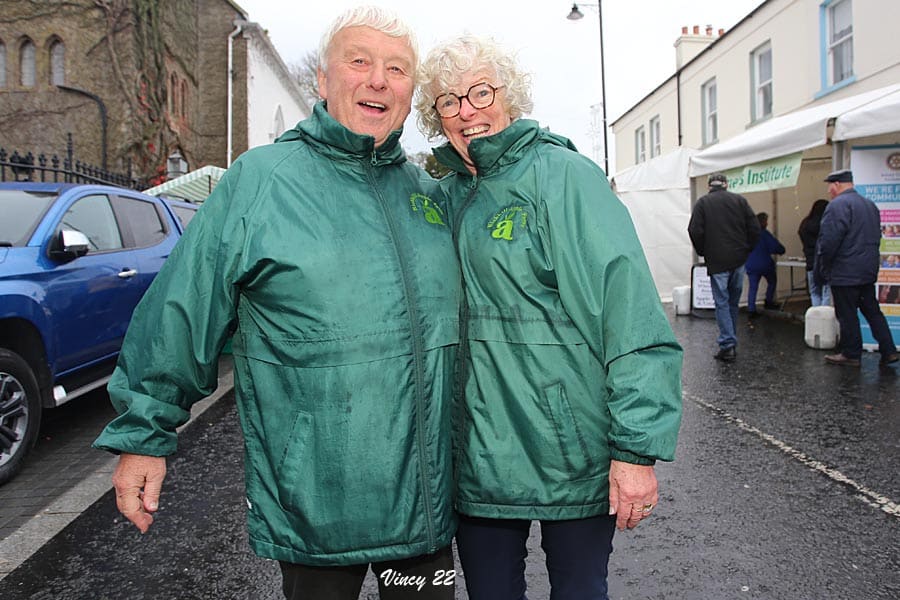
point(238, 28)
point(103, 119)
point(678, 103)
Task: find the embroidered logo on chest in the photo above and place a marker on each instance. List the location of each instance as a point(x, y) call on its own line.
point(431, 210)
point(508, 222)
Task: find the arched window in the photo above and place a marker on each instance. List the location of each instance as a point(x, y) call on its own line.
point(27, 56)
point(278, 125)
point(173, 90)
point(183, 97)
point(2, 65)
point(57, 63)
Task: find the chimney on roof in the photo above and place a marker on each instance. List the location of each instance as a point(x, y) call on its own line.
point(721, 31)
point(687, 46)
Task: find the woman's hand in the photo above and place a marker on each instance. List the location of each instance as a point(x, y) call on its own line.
point(632, 493)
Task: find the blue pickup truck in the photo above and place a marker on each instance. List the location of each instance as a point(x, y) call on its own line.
point(75, 259)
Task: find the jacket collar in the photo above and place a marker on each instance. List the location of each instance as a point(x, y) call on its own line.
point(494, 152)
point(334, 140)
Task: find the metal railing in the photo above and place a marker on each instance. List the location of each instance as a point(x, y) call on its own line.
point(16, 166)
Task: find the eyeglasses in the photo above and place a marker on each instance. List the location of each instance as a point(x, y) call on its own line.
point(480, 95)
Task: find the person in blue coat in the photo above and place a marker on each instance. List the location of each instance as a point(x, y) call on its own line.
point(761, 264)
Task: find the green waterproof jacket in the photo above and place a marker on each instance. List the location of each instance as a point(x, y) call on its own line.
point(570, 359)
point(332, 264)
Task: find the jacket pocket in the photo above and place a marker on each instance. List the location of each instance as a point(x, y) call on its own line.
point(573, 445)
point(293, 457)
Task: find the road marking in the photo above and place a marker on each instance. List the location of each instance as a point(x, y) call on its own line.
point(870, 497)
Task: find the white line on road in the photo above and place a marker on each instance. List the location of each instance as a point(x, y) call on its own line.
point(870, 497)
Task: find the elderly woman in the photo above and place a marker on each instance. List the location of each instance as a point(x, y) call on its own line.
point(572, 375)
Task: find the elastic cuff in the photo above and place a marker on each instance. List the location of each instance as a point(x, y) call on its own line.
point(630, 457)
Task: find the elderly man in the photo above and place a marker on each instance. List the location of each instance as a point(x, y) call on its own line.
point(847, 258)
point(328, 258)
point(724, 230)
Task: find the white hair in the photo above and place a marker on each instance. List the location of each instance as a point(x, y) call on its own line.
point(449, 61)
point(379, 19)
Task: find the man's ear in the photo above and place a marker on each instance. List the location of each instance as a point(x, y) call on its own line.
point(320, 77)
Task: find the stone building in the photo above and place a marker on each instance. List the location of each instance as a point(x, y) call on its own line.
point(134, 81)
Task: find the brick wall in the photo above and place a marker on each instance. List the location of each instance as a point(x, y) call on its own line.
point(188, 46)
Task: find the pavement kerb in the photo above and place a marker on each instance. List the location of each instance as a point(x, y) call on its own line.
point(27, 539)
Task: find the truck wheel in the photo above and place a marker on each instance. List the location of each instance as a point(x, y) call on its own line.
point(20, 413)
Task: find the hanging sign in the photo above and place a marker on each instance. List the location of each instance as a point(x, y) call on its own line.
point(771, 174)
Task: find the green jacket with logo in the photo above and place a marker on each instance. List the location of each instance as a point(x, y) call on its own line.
point(570, 360)
point(332, 264)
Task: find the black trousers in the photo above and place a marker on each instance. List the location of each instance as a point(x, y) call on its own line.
point(428, 577)
point(849, 298)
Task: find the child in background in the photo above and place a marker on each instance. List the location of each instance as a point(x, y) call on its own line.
point(761, 264)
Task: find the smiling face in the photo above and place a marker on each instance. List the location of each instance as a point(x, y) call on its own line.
point(368, 84)
point(472, 122)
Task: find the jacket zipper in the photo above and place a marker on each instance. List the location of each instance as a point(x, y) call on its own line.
point(418, 359)
point(460, 375)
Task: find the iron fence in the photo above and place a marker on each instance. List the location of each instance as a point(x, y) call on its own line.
point(16, 166)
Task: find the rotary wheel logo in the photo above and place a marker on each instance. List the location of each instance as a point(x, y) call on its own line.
point(893, 161)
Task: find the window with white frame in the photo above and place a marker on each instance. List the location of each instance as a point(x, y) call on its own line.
point(655, 143)
point(761, 81)
point(27, 64)
point(57, 63)
point(640, 145)
point(840, 41)
point(710, 112)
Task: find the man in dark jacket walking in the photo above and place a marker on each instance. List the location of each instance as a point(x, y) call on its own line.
point(847, 258)
point(723, 230)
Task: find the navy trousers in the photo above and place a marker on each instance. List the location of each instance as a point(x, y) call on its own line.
point(848, 298)
point(493, 552)
point(753, 287)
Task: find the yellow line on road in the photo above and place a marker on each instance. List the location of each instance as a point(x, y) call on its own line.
point(870, 497)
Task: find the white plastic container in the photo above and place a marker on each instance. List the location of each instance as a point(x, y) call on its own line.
point(681, 297)
point(821, 328)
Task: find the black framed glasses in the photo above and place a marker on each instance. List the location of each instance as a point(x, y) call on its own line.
point(480, 95)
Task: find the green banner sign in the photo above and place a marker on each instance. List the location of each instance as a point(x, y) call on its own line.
point(772, 174)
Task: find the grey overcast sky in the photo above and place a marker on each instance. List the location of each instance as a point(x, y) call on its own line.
point(563, 56)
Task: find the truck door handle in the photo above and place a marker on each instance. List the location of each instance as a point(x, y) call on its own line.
point(127, 274)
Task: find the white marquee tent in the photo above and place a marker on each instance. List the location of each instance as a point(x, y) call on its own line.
point(868, 113)
point(657, 194)
point(193, 187)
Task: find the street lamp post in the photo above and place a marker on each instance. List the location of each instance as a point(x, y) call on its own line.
point(176, 166)
point(575, 15)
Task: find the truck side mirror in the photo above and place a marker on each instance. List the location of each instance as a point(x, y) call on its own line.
point(69, 245)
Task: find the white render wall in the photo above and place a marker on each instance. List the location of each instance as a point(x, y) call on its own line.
point(793, 29)
point(269, 88)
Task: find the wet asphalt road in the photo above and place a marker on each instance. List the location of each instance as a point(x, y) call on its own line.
point(785, 487)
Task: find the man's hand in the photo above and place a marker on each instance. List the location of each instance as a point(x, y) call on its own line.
point(138, 481)
point(632, 493)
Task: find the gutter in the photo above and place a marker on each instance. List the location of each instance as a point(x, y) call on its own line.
point(238, 28)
